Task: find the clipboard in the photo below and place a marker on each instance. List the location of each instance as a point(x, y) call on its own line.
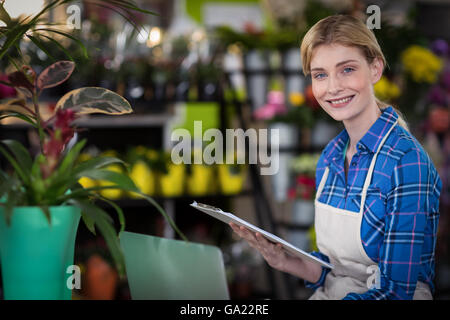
point(228, 217)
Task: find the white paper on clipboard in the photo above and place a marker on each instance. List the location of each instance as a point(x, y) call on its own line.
point(228, 217)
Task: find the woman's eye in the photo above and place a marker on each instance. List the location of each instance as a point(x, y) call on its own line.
point(348, 70)
point(319, 75)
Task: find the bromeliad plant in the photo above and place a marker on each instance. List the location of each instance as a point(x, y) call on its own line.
point(51, 177)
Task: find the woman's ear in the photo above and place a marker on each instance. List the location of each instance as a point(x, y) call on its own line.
point(376, 69)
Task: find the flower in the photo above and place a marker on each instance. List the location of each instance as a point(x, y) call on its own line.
point(440, 47)
point(275, 106)
point(296, 99)
point(437, 95)
point(445, 79)
point(51, 177)
point(421, 64)
point(6, 91)
point(386, 90)
point(304, 188)
point(305, 164)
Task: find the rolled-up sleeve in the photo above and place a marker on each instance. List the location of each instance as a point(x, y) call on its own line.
point(325, 271)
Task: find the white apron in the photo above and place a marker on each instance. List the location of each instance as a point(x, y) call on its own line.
point(338, 234)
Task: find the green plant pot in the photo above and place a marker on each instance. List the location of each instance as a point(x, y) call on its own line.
point(34, 256)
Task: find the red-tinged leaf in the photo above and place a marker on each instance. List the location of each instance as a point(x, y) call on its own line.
point(94, 100)
point(55, 74)
point(18, 79)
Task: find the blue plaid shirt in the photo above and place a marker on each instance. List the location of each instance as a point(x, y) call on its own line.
point(400, 223)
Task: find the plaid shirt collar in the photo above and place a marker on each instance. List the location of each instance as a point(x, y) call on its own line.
point(334, 154)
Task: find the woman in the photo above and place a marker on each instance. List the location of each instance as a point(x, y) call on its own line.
point(377, 200)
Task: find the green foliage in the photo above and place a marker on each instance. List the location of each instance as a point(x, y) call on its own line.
point(301, 116)
point(51, 178)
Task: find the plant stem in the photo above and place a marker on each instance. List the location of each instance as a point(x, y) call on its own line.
point(38, 122)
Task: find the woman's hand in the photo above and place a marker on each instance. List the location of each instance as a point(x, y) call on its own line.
point(273, 253)
point(277, 258)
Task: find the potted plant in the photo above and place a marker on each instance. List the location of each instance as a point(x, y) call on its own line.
point(199, 177)
point(231, 175)
point(141, 172)
point(302, 193)
point(256, 49)
point(303, 190)
point(289, 121)
point(42, 200)
point(171, 177)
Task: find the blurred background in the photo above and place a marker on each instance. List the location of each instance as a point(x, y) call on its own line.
point(233, 64)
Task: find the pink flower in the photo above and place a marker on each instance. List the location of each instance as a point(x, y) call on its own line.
point(6, 91)
point(275, 105)
point(58, 138)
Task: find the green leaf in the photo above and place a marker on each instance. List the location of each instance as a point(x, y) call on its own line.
point(41, 46)
point(119, 212)
point(120, 180)
point(46, 212)
point(66, 52)
point(89, 222)
point(17, 115)
point(12, 199)
point(12, 37)
point(131, 5)
point(94, 100)
point(67, 35)
point(94, 163)
point(6, 185)
point(55, 74)
point(164, 214)
point(102, 223)
point(21, 154)
point(69, 159)
point(4, 16)
point(24, 177)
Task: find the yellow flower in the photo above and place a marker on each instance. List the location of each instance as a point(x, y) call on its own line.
point(143, 178)
point(385, 89)
point(140, 150)
point(152, 155)
point(296, 99)
point(422, 64)
point(172, 183)
point(112, 194)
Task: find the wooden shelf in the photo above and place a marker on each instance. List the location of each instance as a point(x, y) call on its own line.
point(98, 122)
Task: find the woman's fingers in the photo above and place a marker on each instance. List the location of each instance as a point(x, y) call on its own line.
point(245, 233)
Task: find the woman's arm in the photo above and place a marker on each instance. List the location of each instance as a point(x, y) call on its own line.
point(277, 258)
point(410, 228)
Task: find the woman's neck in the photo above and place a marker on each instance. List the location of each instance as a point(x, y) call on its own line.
point(358, 126)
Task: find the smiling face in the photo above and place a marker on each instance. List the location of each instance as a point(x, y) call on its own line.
point(342, 82)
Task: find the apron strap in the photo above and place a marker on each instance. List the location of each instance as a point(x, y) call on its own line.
point(322, 183)
point(371, 168)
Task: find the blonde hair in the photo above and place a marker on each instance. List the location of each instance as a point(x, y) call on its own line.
point(347, 31)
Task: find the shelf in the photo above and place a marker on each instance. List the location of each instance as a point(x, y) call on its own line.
point(123, 121)
point(138, 203)
point(293, 226)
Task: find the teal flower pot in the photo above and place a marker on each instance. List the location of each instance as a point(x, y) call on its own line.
point(34, 255)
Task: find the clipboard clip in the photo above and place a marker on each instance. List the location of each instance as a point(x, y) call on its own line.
point(206, 206)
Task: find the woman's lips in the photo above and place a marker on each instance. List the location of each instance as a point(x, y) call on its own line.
point(339, 103)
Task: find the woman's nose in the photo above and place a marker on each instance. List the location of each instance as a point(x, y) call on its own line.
point(334, 85)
